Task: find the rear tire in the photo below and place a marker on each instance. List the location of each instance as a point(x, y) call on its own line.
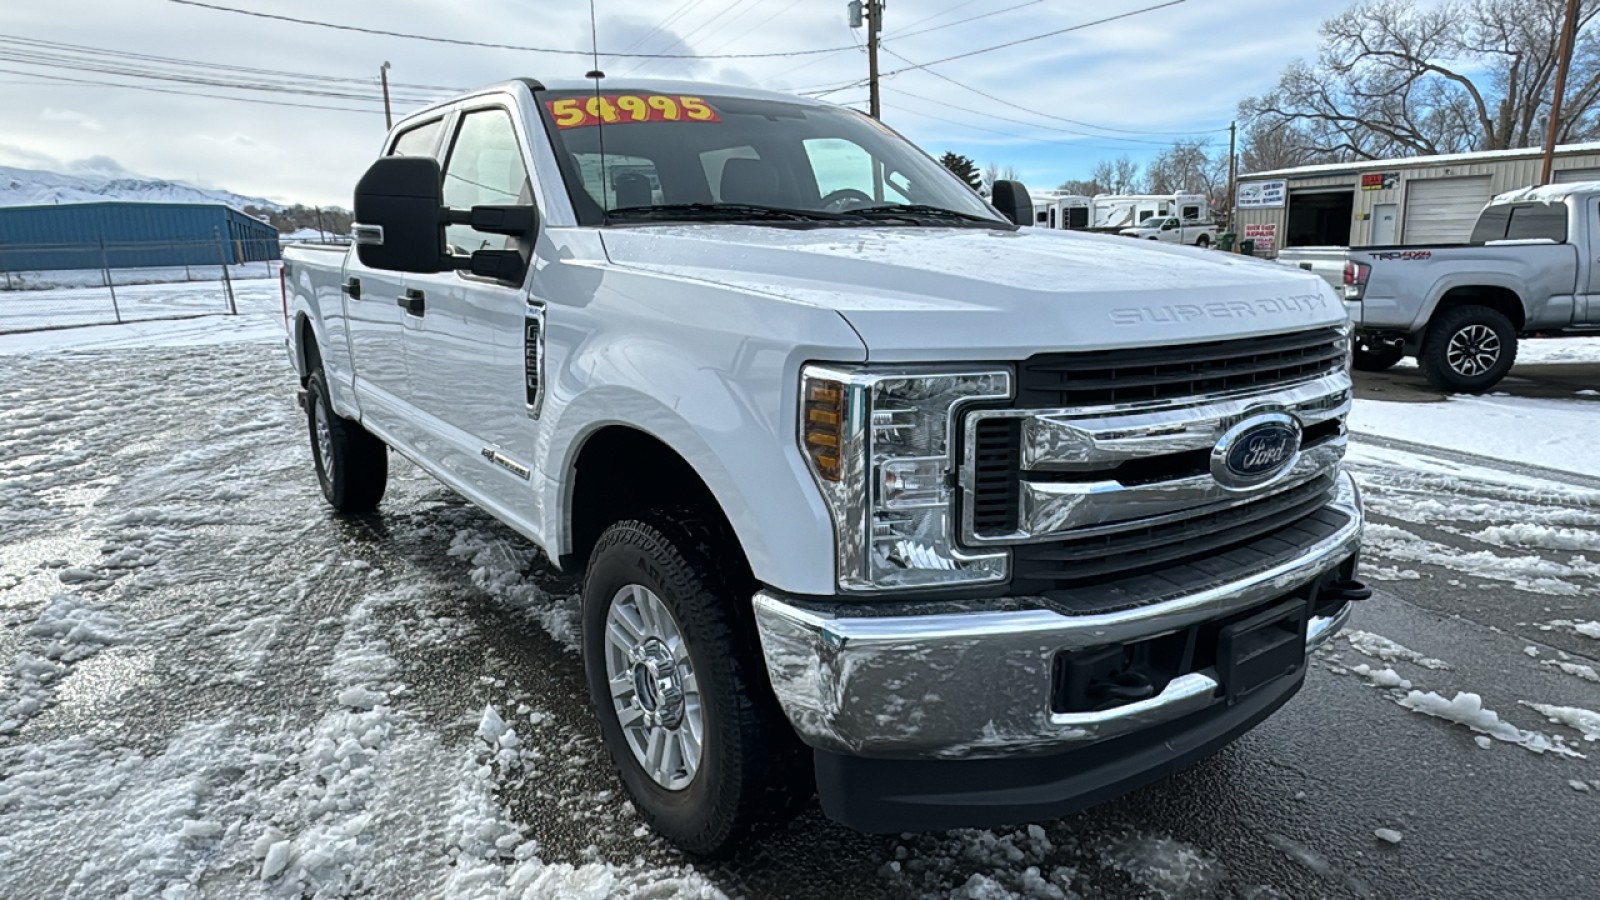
point(1468, 349)
point(668, 647)
point(1203, 242)
point(352, 465)
point(1378, 356)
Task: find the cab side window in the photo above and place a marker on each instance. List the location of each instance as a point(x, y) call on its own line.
point(485, 168)
point(422, 140)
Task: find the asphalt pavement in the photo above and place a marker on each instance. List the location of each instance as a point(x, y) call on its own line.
point(169, 494)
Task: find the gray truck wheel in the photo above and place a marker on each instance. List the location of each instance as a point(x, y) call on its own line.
point(677, 681)
point(1378, 356)
point(1468, 349)
point(352, 465)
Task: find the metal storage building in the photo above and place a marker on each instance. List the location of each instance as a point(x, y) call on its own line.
point(135, 235)
point(1425, 199)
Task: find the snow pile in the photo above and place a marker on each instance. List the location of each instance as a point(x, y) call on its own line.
point(500, 568)
point(1384, 678)
point(1388, 835)
point(1585, 629)
point(1532, 573)
point(1577, 718)
point(1468, 709)
point(1524, 534)
point(1165, 868)
point(1577, 670)
point(1379, 647)
point(67, 631)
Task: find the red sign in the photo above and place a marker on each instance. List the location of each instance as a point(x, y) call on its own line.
point(1265, 236)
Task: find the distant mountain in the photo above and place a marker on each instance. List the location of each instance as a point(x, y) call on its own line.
point(29, 187)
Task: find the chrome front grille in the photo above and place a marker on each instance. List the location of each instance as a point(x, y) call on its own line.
point(1105, 491)
point(1149, 374)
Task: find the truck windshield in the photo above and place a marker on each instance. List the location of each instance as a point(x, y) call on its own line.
point(676, 158)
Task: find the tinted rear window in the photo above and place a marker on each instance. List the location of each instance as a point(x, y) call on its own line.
point(1522, 222)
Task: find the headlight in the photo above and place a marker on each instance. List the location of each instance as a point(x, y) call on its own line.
point(880, 444)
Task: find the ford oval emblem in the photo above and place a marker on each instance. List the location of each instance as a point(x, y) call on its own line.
point(1256, 450)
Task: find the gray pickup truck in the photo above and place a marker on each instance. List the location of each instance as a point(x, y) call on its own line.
point(1532, 265)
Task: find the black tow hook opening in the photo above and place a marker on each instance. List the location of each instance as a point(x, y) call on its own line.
point(1346, 590)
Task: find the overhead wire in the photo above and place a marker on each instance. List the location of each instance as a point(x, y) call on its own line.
point(157, 90)
point(462, 42)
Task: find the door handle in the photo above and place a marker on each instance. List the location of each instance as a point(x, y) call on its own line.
point(414, 302)
point(352, 287)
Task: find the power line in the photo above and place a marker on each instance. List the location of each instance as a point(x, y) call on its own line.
point(38, 44)
point(156, 90)
point(943, 12)
point(902, 35)
point(1018, 106)
point(460, 42)
point(1037, 37)
point(978, 112)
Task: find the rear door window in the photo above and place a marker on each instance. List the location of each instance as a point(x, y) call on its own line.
point(1535, 221)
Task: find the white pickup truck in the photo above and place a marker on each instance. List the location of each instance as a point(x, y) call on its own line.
point(862, 508)
point(1173, 230)
point(1532, 265)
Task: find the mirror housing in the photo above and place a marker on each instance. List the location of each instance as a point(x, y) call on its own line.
point(1013, 202)
point(398, 207)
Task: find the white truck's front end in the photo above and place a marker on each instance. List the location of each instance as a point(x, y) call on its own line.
point(976, 523)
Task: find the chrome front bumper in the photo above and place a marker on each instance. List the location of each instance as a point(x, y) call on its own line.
point(970, 685)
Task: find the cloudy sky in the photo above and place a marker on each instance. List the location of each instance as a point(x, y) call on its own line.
point(1135, 81)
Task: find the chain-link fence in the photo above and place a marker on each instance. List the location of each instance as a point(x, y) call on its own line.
point(44, 286)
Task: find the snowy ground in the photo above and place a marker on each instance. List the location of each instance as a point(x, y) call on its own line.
point(1554, 432)
point(211, 687)
point(167, 296)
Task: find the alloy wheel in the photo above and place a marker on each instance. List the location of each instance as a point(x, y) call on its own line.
point(1473, 350)
point(653, 687)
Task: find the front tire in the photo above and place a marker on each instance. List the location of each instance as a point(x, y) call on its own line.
point(1468, 349)
point(352, 465)
point(676, 679)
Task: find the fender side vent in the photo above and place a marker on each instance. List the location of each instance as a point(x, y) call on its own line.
point(995, 477)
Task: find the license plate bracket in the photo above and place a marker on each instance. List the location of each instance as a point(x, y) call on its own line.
point(1257, 651)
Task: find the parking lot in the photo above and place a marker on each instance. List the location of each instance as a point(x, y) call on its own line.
point(213, 687)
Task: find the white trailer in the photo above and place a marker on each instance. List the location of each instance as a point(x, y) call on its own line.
point(1118, 211)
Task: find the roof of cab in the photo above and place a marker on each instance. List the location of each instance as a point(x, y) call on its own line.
point(1548, 193)
point(620, 85)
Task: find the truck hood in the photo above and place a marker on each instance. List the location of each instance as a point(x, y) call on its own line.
point(920, 294)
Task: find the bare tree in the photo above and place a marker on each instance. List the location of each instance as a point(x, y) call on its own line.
point(995, 172)
point(1396, 79)
point(1190, 166)
point(1116, 176)
point(1083, 187)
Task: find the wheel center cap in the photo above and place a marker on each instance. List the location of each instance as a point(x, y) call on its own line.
point(656, 684)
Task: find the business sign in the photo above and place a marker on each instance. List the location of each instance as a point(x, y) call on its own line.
point(1380, 181)
point(1265, 236)
point(1263, 194)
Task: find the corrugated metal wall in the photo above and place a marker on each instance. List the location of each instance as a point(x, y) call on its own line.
point(1504, 175)
point(135, 235)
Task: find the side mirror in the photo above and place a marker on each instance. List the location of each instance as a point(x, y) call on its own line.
point(1012, 199)
point(397, 211)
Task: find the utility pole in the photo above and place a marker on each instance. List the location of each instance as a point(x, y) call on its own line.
point(1569, 36)
point(388, 117)
point(1233, 173)
point(872, 12)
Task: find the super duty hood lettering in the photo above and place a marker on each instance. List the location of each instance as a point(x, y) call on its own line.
point(1179, 313)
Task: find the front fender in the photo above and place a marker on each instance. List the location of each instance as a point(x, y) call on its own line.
point(714, 375)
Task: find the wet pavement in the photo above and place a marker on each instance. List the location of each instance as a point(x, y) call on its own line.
point(179, 609)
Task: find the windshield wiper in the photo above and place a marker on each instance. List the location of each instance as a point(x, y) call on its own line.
point(921, 213)
point(721, 212)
